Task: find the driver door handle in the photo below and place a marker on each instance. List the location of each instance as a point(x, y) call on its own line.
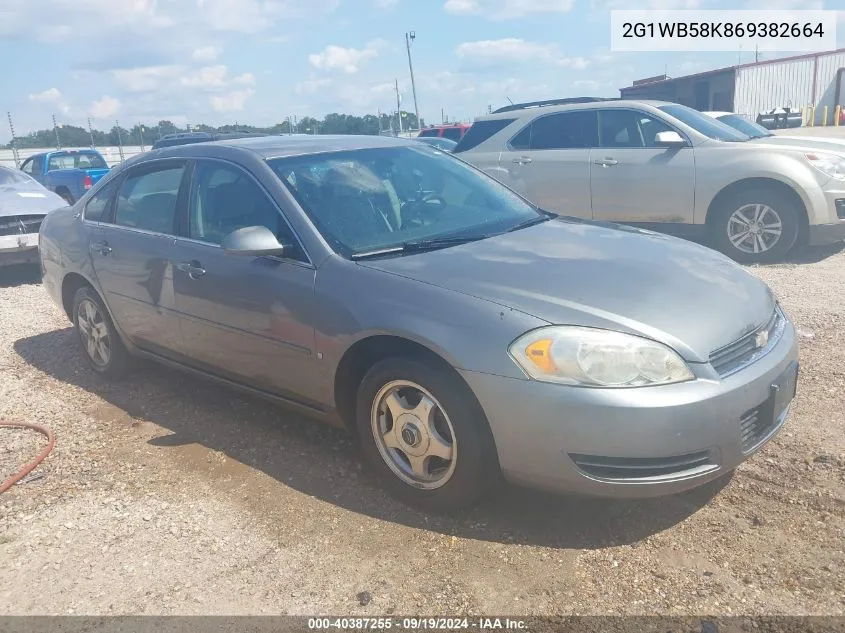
point(523, 160)
point(102, 248)
point(193, 269)
point(606, 162)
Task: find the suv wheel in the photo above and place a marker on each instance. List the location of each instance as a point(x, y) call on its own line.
point(100, 342)
point(425, 435)
point(756, 226)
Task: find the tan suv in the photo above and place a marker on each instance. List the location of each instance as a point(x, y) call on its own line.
point(666, 167)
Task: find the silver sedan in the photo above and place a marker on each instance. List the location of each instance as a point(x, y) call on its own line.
point(461, 332)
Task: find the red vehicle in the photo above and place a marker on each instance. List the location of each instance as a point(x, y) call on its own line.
point(452, 131)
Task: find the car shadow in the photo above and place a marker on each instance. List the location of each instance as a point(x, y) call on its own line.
point(323, 462)
point(812, 254)
point(19, 275)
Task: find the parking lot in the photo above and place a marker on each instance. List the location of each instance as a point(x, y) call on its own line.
point(168, 495)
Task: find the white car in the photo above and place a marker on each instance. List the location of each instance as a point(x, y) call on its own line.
point(760, 133)
point(23, 204)
point(666, 167)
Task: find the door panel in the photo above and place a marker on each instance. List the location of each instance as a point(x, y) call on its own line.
point(134, 270)
point(549, 162)
point(244, 318)
point(131, 249)
point(632, 180)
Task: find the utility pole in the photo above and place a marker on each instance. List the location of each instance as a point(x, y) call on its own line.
point(141, 135)
point(119, 139)
point(14, 144)
point(91, 132)
point(56, 130)
point(398, 107)
point(756, 53)
point(410, 37)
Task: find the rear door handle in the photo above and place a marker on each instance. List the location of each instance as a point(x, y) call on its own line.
point(522, 160)
point(193, 269)
point(102, 248)
point(606, 162)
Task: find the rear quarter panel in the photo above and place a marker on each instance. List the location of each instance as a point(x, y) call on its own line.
point(63, 242)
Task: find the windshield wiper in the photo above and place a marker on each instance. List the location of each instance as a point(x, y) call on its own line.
point(417, 246)
point(547, 215)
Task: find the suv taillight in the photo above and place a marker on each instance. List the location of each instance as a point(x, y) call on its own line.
point(87, 182)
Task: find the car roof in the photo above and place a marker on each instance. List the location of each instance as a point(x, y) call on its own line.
point(590, 105)
point(717, 114)
point(289, 145)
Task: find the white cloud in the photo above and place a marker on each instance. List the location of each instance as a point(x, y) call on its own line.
point(506, 9)
point(347, 60)
point(146, 78)
point(247, 79)
point(51, 95)
point(207, 77)
point(205, 54)
point(104, 108)
point(587, 84)
point(513, 50)
point(312, 85)
point(231, 102)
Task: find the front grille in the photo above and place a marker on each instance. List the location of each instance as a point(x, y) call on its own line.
point(755, 426)
point(745, 350)
point(643, 468)
point(840, 208)
point(17, 224)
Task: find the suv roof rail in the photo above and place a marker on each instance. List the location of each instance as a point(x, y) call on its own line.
point(550, 102)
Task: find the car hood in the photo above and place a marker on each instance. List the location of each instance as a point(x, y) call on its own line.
point(807, 143)
point(601, 275)
point(27, 199)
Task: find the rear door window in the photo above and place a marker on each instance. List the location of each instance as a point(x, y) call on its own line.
point(577, 129)
point(97, 209)
point(480, 132)
point(147, 199)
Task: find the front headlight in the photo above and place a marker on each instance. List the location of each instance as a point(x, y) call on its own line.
point(829, 164)
point(589, 357)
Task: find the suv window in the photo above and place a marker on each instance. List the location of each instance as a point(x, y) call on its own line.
point(452, 133)
point(577, 129)
point(629, 128)
point(97, 209)
point(147, 199)
point(225, 199)
point(480, 132)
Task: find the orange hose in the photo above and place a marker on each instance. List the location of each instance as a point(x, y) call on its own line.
point(27, 468)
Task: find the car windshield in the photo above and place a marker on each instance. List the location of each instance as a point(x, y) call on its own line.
point(704, 124)
point(370, 200)
point(739, 122)
point(13, 177)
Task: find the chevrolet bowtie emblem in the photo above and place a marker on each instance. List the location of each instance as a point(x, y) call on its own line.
point(761, 339)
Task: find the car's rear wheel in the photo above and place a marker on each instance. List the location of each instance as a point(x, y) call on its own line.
point(756, 226)
point(100, 342)
point(425, 435)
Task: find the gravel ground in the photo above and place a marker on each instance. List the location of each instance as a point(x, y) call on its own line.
point(168, 495)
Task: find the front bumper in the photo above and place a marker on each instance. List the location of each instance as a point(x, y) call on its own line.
point(564, 438)
point(19, 249)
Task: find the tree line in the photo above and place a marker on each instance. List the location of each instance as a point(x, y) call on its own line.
point(146, 135)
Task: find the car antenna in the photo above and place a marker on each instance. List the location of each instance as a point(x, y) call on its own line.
point(509, 99)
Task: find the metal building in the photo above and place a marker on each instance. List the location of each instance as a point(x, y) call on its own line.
point(814, 80)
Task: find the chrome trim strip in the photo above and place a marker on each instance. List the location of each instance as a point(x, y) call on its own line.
point(775, 335)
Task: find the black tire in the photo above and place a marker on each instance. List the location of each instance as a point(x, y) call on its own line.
point(118, 360)
point(476, 468)
point(784, 207)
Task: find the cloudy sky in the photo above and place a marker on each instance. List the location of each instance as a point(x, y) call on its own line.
point(259, 61)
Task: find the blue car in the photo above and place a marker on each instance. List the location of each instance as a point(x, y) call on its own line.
point(69, 173)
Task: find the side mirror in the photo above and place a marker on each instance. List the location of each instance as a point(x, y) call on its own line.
point(669, 139)
point(253, 241)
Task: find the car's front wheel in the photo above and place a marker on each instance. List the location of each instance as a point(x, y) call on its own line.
point(100, 342)
point(425, 435)
point(756, 226)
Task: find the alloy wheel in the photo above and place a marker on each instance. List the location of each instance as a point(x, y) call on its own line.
point(754, 228)
point(95, 332)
